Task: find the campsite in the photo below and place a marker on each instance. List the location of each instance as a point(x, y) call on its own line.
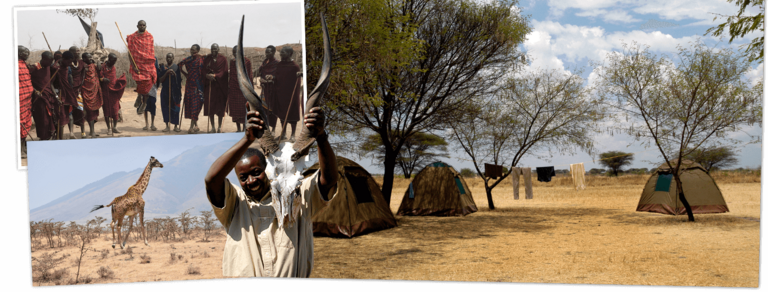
point(560, 236)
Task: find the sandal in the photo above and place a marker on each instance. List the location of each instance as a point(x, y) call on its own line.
point(153, 128)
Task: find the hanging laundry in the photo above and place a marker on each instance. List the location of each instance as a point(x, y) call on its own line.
point(493, 171)
point(577, 172)
point(545, 173)
point(526, 172)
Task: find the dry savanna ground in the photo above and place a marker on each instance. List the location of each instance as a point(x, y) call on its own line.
point(560, 236)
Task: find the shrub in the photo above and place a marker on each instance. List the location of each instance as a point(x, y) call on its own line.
point(145, 259)
point(192, 270)
point(104, 273)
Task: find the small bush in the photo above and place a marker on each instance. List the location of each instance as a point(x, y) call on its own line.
point(173, 258)
point(104, 253)
point(145, 259)
point(60, 274)
point(205, 254)
point(192, 270)
point(105, 273)
point(180, 257)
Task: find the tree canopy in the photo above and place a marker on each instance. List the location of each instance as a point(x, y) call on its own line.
point(713, 157)
point(740, 25)
point(615, 160)
point(418, 150)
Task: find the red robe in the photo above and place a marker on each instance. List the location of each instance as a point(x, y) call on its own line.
point(91, 93)
point(77, 75)
point(45, 107)
point(111, 91)
point(25, 99)
point(236, 99)
point(215, 92)
point(268, 67)
point(142, 47)
point(68, 94)
point(286, 83)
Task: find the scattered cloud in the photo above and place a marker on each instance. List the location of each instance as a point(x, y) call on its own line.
point(616, 10)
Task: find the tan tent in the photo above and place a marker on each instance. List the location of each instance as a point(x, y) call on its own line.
point(357, 209)
point(437, 190)
point(701, 191)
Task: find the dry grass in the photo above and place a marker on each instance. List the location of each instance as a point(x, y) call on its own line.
point(560, 236)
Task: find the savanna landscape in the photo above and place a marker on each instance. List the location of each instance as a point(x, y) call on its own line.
point(592, 236)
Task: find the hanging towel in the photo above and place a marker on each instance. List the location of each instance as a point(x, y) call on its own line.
point(545, 173)
point(577, 172)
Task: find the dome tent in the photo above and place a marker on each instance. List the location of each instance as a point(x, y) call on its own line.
point(437, 190)
point(357, 209)
point(660, 192)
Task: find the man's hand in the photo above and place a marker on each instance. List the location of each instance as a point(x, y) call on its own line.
point(38, 93)
point(299, 74)
point(254, 124)
point(210, 76)
point(315, 121)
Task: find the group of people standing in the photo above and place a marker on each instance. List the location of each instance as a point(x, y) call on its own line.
point(69, 88)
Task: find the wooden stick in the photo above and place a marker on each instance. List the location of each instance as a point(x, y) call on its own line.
point(208, 101)
point(285, 121)
point(129, 50)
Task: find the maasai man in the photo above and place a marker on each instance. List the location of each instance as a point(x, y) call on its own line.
point(150, 104)
point(45, 103)
point(170, 79)
point(215, 87)
point(68, 95)
point(235, 97)
point(25, 98)
point(77, 82)
point(91, 93)
point(256, 246)
point(141, 45)
point(111, 91)
point(266, 74)
point(287, 93)
point(193, 90)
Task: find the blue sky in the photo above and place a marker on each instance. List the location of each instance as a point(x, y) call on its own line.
point(566, 36)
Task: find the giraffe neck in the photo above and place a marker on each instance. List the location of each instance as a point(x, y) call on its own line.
point(141, 184)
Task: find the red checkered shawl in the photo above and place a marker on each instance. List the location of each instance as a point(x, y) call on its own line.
point(25, 98)
point(91, 90)
point(142, 47)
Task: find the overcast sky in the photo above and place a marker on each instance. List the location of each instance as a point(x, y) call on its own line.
point(566, 35)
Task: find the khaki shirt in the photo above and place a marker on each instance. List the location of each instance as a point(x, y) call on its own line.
point(256, 246)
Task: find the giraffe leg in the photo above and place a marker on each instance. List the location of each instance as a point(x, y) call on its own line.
point(113, 234)
point(130, 226)
point(120, 231)
point(143, 230)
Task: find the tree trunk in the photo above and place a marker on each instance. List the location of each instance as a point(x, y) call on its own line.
point(687, 206)
point(389, 174)
point(488, 194)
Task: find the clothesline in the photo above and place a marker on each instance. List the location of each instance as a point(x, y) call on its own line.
point(593, 161)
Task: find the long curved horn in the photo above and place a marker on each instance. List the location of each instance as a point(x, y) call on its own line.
point(266, 140)
point(304, 141)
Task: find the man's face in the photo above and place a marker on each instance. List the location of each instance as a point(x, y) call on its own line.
point(169, 58)
point(194, 50)
point(214, 50)
point(142, 26)
point(23, 54)
point(57, 56)
point(284, 55)
point(75, 52)
point(112, 60)
point(87, 59)
point(46, 61)
point(270, 53)
point(252, 177)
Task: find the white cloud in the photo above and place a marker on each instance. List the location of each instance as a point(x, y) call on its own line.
point(613, 16)
point(615, 10)
point(754, 75)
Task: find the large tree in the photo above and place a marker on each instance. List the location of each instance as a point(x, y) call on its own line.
point(417, 151)
point(713, 157)
point(407, 66)
point(679, 105)
point(615, 160)
point(741, 24)
point(534, 114)
point(95, 45)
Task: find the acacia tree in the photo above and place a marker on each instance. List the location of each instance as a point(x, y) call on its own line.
point(713, 157)
point(95, 44)
point(542, 111)
point(615, 160)
point(679, 107)
point(401, 64)
point(741, 24)
point(418, 150)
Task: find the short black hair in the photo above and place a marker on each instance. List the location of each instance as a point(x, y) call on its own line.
point(251, 151)
point(196, 46)
point(170, 54)
point(47, 54)
point(271, 46)
point(288, 49)
point(57, 53)
point(112, 55)
point(85, 54)
point(67, 55)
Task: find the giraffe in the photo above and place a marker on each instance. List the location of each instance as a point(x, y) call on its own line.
point(130, 205)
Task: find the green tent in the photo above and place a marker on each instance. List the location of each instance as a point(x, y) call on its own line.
point(357, 209)
point(701, 191)
point(437, 190)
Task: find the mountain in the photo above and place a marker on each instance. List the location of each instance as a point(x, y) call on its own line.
point(176, 187)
